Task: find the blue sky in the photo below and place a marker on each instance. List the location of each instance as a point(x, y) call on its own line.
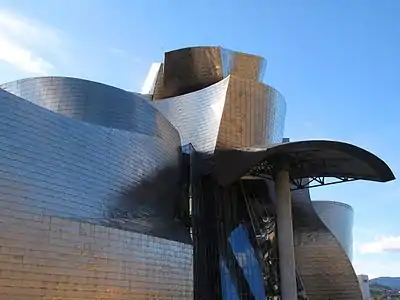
point(336, 62)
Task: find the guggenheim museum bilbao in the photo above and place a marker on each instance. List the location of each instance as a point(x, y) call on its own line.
point(188, 190)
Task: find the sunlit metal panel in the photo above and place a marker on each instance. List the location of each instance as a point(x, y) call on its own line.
point(94, 103)
point(253, 116)
point(73, 197)
point(323, 264)
point(197, 115)
point(338, 217)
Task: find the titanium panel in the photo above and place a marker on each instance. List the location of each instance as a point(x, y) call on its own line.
point(93, 103)
point(54, 165)
point(191, 69)
point(253, 116)
point(151, 79)
point(233, 113)
point(197, 115)
point(159, 84)
point(323, 265)
point(49, 258)
point(248, 66)
point(338, 217)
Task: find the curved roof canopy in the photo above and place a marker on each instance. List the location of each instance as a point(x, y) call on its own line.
point(314, 160)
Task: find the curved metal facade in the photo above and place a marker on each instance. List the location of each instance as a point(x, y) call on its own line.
point(67, 188)
point(323, 264)
point(197, 115)
point(88, 172)
point(338, 217)
point(191, 69)
point(93, 103)
point(92, 179)
point(253, 114)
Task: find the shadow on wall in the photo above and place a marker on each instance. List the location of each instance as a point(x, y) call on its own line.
point(151, 207)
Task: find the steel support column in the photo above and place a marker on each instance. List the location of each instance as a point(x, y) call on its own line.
point(287, 266)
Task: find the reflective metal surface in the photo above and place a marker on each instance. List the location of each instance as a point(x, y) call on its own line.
point(254, 115)
point(90, 174)
point(338, 217)
point(49, 258)
point(94, 103)
point(149, 85)
point(251, 67)
point(60, 177)
point(323, 264)
point(197, 115)
point(54, 165)
point(191, 69)
point(158, 88)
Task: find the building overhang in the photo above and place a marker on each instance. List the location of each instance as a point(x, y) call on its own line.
point(306, 161)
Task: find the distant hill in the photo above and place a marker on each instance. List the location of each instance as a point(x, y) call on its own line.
point(391, 282)
point(378, 288)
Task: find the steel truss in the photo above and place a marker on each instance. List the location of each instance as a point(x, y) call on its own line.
point(267, 170)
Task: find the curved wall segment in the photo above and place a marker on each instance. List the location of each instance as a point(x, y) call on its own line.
point(338, 217)
point(73, 197)
point(191, 69)
point(93, 103)
point(197, 115)
point(56, 165)
point(253, 116)
point(253, 113)
point(323, 264)
point(251, 67)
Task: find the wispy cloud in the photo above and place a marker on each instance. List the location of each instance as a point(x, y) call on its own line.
point(376, 267)
point(381, 245)
point(24, 43)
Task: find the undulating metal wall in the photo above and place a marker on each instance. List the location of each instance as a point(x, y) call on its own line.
point(124, 166)
point(149, 84)
point(338, 217)
point(72, 196)
point(251, 67)
point(191, 69)
point(220, 103)
point(197, 115)
point(44, 257)
point(253, 113)
point(158, 91)
point(253, 116)
point(95, 103)
point(324, 267)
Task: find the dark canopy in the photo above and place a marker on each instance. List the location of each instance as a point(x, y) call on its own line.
point(303, 159)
